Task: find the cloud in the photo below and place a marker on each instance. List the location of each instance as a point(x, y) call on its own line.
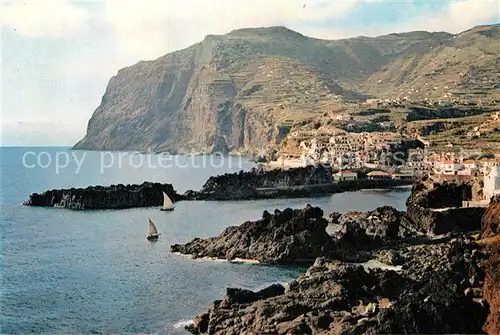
point(456, 17)
point(48, 18)
point(463, 15)
point(150, 28)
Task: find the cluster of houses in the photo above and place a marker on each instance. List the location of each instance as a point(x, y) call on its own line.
point(449, 99)
point(373, 175)
point(341, 149)
point(447, 166)
point(349, 152)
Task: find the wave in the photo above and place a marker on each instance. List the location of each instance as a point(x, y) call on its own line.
point(243, 260)
point(182, 323)
point(215, 259)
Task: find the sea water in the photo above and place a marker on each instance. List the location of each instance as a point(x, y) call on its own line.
point(67, 271)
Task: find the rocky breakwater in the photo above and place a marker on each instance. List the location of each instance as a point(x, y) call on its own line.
point(436, 207)
point(298, 182)
point(436, 289)
point(105, 197)
point(245, 185)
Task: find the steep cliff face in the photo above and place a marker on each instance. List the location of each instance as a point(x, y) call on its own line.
point(141, 104)
point(231, 91)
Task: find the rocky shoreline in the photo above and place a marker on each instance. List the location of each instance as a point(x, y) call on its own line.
point(105, 197)
point(445, 284)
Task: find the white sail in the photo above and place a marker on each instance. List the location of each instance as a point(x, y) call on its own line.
point(167, 203)
point(152, 228)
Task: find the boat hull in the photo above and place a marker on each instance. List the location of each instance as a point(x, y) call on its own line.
point(152, 238)
point(167, 209)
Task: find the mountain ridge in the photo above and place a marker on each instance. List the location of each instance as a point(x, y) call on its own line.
point(231, 92)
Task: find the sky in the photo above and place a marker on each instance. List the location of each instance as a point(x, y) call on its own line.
point(58, 55)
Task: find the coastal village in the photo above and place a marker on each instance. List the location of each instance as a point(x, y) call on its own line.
point(392, 154)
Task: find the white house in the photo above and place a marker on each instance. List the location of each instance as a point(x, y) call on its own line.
point(448, 167)
point(345, 175)
point(469, 164)
point(491, 182)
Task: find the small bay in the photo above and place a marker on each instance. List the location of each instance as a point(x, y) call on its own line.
point(94, 272)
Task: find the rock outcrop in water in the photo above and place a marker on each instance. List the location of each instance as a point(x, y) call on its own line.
point(285, 237)
point(297, 236)
point(368, 230)
point(255, 184)
point(105, 197)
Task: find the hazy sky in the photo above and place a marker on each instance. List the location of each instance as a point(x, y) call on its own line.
point(58, 56)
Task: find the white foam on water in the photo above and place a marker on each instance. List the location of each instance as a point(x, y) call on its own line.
point(375, 264)
point(182, 323)
point(243, 260)
point(212, 259)
point(215, 259)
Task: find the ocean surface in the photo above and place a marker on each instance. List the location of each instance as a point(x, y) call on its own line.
point(86, 272)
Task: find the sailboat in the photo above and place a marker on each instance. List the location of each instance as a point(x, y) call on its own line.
point(167, 203)
point(153, 234)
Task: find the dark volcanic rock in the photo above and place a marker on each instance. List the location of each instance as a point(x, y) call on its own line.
point(437, 288)
point(433, 294)
point(442, 274)
point(285, 237)
point(438, 307)
point(435, 209)
point(105, 197)
point(244, 185)
point(490, 225)
point(368, 230)
point(492, 284)
point(439, 195)
point(446, 220)
point(291, 183)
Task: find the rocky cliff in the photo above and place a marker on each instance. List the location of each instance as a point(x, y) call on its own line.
point(232, 92)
